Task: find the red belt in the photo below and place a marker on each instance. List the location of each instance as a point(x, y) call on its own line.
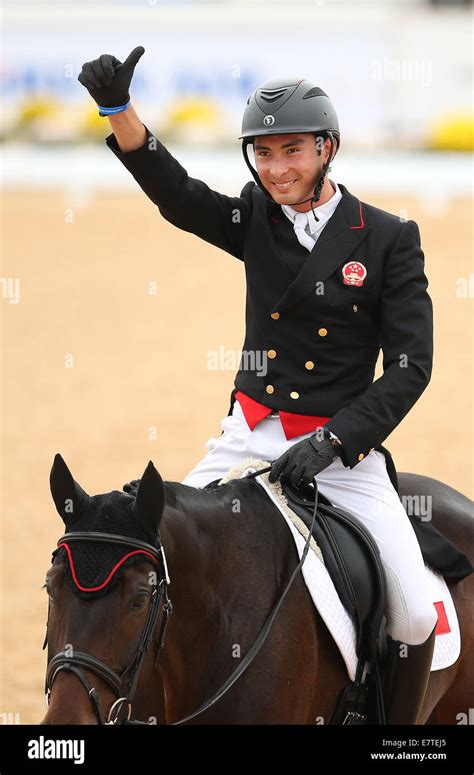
point(293, 424)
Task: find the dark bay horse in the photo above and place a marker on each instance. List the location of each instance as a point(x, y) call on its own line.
point(229, 556)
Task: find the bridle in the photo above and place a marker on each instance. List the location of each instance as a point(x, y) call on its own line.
point(80, 661)
point(123, 684)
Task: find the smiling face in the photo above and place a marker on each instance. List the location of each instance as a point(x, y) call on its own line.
point(289, 164)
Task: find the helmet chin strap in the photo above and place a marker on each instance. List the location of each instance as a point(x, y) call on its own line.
point(319, 181)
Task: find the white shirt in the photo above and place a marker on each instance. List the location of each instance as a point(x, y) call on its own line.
point(313, 228)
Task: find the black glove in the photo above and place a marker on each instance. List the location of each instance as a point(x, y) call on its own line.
point(107, 80)
point(304, 460)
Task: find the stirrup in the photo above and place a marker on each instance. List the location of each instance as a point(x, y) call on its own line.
point(352, 708)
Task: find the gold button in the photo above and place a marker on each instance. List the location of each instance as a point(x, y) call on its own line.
point(275, 315)
point(322, 331)
point(269, 388)
point(309, 365)
point(272, 353)
point(355, 307)
point(294, 394)
point(361, 456)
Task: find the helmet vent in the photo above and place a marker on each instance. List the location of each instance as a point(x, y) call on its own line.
point(270, 95)
point(315, 92)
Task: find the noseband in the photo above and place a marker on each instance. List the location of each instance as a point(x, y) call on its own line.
point(123, 687)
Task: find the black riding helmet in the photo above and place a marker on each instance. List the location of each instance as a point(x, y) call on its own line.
point(285, 106)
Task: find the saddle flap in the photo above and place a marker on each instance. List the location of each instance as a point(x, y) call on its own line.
point(352, 559)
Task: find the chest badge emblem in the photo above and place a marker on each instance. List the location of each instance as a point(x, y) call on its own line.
point(354, 273)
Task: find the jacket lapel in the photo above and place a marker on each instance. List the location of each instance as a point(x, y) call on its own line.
point(344, 231)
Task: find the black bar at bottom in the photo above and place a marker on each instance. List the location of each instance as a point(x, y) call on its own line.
point(143, 749)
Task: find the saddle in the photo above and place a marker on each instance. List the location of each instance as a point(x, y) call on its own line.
point(353, 561)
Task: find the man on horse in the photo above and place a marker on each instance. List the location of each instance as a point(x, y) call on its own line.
point(331, 280)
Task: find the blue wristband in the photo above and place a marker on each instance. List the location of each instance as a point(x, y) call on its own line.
point(111, 111)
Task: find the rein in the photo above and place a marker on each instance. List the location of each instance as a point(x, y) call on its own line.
point(263, 634)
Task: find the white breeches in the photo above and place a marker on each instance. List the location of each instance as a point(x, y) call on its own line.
point(364, 491)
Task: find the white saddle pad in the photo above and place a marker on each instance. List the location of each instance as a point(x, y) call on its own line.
point(323, 591)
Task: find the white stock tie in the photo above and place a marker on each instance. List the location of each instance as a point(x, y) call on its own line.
point(300, 223)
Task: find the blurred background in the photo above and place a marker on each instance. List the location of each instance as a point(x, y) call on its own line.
point(398, 72)
point(109, 313)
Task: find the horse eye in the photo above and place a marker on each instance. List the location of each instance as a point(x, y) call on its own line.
point(139, 601)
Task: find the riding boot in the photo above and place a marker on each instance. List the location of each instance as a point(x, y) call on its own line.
point(407, 674)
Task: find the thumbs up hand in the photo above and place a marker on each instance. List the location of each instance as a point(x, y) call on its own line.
point(107, 80)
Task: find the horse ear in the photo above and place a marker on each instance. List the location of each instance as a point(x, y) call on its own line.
point(69, 497)
point(150, 501)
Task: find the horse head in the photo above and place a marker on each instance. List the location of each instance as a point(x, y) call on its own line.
point(105, 585)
